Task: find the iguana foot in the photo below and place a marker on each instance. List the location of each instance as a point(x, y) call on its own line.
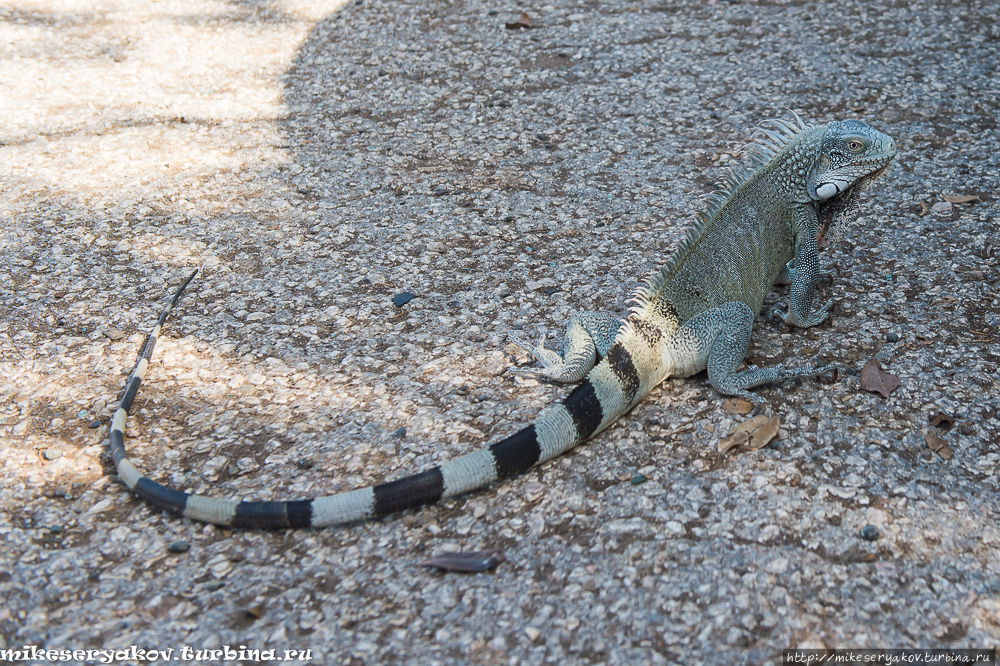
point(814, 318)
point(554, 366)
point(538, 353)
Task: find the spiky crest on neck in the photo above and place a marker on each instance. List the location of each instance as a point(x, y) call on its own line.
point(769, 139)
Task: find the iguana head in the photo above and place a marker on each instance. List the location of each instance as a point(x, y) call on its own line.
point(852, 155)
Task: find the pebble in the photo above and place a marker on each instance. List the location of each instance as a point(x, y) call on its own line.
point(870, 533)
point(942, 208)
point(403, 298)
point(179, 547)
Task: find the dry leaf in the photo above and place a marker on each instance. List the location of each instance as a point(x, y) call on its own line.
point(472, 562)
point(756, 433)
point(737, 406)
point(877, 380)
point(523, 21)
point(960, 198)
point(937, 419)
point(938, 445)
point(924, 208)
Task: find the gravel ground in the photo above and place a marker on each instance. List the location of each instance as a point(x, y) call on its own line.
point(313, 160)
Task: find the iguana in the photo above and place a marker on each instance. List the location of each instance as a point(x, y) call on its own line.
point(696, 313)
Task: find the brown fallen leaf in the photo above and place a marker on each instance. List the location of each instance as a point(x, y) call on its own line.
point(755, 432)
point(523, 21)
point(471, 562)
point(924, 208)
point(737, 406)
point(938, 445)
point(960, 198)
point(941, 418)
point(877, 380)
point(763, 435)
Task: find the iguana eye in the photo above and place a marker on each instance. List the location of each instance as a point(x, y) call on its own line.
point(855, 146)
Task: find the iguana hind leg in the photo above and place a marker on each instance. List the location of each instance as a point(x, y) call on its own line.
point(588, 337)
point(722, 336)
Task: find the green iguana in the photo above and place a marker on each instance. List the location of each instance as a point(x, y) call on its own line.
point(696, 313)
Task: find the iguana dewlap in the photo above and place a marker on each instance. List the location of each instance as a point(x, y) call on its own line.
point(695, 314)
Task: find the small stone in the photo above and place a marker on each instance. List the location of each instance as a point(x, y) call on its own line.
point(942, 208)
point(401, 299)
point(179, 547)
point(637, 479)
point(532, 633)
point(94, 424)
point(115, 335)
point(399, 432)
point(214, 585)
point(870, 533)
point(304, 464)
point(56, 529)
point(52, 454)
point(892, 337)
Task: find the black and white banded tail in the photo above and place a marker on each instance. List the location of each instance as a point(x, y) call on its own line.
point(609, 390)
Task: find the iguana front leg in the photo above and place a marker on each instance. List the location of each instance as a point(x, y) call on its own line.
point(589, 335)
point(787, 274)
point(805, 275)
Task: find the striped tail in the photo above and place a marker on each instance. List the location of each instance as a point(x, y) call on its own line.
point(610, 390)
